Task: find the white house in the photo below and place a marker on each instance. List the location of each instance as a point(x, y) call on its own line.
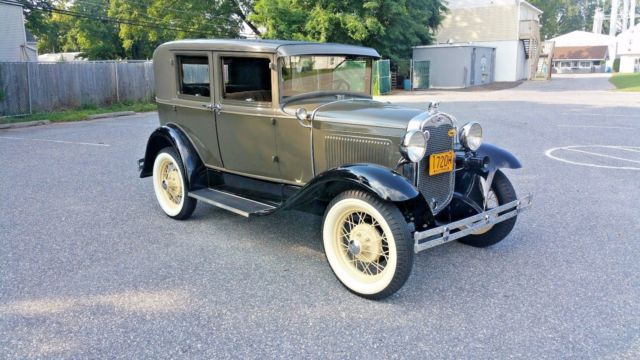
point(629, 49)
point(587, 39)
point(15, 43)
point(512, 27)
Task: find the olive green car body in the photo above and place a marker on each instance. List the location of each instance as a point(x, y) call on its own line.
point(244, 146)
point(245, 138)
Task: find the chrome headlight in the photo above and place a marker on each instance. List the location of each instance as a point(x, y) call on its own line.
point(471, 136)
point(414, 145)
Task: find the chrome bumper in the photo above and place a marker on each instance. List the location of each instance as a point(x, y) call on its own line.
point(457, 229)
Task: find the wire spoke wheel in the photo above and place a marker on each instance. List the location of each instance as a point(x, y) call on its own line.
point(367, 244)
point(169, 185)
point(500, 193)
point(363, 243)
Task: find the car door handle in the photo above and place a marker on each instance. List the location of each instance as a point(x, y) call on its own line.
point(213, 107)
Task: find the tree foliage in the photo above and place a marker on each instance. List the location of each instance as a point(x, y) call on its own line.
point(563, 16)
point(121, 29)
point(392, 27)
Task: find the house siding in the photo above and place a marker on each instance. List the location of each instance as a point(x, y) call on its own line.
point(13, 34)
point(489, 23)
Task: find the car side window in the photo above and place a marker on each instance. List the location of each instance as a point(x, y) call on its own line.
point(246, 79)
point(194, 76)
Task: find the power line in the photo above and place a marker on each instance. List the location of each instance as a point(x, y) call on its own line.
point(193, 13)
point(116, 20)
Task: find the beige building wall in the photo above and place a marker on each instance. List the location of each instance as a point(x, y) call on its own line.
point(488, 23)
point(494, 23)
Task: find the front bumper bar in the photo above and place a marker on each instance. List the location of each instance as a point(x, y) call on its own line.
point(457, 229)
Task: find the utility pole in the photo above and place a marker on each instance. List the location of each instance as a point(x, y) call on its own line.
point(613, 19)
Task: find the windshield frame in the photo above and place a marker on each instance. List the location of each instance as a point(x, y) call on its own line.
point(324, 93)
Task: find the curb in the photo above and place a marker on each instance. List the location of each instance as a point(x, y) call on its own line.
point(110, 115)
point(24, 124)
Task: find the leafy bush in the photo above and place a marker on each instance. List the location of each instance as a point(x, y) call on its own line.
point(616, 65)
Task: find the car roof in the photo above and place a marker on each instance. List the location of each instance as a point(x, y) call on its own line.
point(280, 47)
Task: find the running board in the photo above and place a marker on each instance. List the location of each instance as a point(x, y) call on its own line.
point(234, 203)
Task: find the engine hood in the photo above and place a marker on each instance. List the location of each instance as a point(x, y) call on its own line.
point(364, 112)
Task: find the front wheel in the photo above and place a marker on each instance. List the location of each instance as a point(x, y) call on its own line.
point(367, 244)
point(501, 192)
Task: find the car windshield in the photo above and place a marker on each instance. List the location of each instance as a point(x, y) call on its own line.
point(325, 74)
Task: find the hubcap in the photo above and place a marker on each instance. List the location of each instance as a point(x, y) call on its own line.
point(171, 182)
point(364, 245)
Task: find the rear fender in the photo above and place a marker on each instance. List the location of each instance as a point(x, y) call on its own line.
point(171, 135)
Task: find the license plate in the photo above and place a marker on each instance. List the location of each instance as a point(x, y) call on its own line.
point(441, 163)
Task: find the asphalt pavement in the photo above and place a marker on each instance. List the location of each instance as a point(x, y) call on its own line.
point(90, 267)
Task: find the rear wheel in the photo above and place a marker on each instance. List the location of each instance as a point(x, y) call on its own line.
point(367, 244)
point(170, 185)
point(501, 192)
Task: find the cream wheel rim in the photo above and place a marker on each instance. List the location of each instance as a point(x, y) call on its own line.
point(360, 246)
point(168, 184)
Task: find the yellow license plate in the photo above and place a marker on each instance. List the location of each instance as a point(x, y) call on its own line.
point(441, 163)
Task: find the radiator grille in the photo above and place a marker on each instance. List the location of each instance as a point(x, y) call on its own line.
point(342, 150)
point(438, 189)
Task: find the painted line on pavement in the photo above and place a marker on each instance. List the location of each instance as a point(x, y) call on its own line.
point(54, 141)
point(597, 127)
point(592, 114)
point(550, 154)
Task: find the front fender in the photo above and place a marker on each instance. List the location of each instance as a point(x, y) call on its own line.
point(387, 184)
point(171, 135)
point(383, 182)
point(499, 158)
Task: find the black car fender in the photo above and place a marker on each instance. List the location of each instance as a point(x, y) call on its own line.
point(383, 182)
point(171, 135)
point(468, 198)
point(499, 158)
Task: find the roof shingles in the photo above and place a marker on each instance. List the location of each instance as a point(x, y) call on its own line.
point(581, 53)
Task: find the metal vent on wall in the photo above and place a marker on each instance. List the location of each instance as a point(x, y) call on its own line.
point(341, 150)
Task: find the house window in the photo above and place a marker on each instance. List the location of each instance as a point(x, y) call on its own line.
point(194, 76)
point(565, 64)
point(246, 79)
point(585, 64)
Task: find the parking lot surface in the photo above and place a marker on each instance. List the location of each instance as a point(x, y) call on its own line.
point(91, 267)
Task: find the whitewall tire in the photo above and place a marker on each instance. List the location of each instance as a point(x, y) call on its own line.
point(170, 186)
point(367, 244)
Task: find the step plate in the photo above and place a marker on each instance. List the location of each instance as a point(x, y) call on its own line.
point(234, 203)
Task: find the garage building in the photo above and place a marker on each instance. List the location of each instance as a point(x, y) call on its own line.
point(452, 66)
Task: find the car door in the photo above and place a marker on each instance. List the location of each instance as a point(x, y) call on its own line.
point(245, 114)
point(193, 103)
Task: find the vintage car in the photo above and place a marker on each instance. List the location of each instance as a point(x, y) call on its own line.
point(256, 127)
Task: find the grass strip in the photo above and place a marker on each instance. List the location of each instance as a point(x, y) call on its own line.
point(82, 113)
point(626, 82)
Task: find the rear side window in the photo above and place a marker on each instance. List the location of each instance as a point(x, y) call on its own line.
point(194, 76)
point(246, 79)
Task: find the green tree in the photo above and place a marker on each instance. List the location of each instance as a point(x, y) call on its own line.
point(563, 16)
point(119, 29)
point(392, 27)
point(147, 23)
